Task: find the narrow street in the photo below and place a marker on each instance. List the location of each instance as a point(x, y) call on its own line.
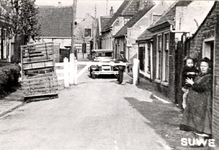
point(93, 115)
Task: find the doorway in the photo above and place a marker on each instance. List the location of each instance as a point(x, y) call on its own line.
point(208, 49)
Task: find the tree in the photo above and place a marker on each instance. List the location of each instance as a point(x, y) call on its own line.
point(22, 16)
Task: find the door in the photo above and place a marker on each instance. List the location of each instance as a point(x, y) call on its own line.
point(208, 49)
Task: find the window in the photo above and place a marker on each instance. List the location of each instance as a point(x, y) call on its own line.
point(162, 58)
point(87, 32)
point(165, 67)
point(149, 57)
point(4, 47)
point(159, 57)
point(141, 56)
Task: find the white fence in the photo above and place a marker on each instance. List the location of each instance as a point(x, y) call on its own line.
point(67, 72)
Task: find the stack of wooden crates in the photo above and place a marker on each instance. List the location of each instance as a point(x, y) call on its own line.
point(39, 79)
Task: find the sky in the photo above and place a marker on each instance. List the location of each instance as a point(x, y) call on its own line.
point(86, 6)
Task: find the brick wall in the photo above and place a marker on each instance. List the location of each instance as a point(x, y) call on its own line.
point(207, 30)
point(216, 81)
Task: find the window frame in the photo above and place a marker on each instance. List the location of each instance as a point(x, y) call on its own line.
point(141, 47)
point(165, 65)
point(90, 35)
point(159, 57)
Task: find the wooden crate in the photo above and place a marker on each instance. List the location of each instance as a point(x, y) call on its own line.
point(36, 58)
point(38, 70)
point(35, 52)
point(39, 86)
point(40, 64)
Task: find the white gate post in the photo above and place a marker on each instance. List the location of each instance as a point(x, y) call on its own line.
point(75, 72)
point(135, 70)
point(71, 69)
point(66, 71)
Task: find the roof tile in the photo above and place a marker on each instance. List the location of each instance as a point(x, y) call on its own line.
point(55, 21)
point(128, 8)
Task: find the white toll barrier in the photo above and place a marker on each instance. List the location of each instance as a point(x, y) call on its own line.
point(71, 71)
point(69, 74)
point(66, 76)
point(135, 70)
point(75, 72)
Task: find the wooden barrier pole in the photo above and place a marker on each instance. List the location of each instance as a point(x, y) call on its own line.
point(135, 70)
point(71, 70)
point(75, 72)
point(66, 73)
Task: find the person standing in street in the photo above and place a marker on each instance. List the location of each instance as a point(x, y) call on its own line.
point(121, 68)
point(197, 116)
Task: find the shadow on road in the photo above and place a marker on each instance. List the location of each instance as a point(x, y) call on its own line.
point(104, 77)
point(164, 118)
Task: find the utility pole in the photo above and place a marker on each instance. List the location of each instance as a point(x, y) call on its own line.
point(95, 29)
point(106, 7)
point(73, 63)
point(74, 7)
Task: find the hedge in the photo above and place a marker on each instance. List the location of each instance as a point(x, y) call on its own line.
point(9, 76)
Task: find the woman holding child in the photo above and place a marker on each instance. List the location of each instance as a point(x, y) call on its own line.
point(197, 116)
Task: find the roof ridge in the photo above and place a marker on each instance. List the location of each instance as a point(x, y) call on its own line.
point(134, 19)
point(171, 6)
point(117, 13)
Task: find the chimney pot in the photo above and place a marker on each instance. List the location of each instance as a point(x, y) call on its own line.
point(111, 11)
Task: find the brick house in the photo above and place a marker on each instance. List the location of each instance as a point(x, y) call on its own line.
point(205, 43)
point(164, 38)
point(216, 82)
point(123, 14)
point(56, 26)
point(127, 35)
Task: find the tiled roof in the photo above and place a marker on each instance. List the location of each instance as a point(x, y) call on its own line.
point(116, 15)
point(132, 21)
point(103, 21)
point(131, 9)
point(170, 15)
point(128, 8)
point(145, 36)
point(55, 21)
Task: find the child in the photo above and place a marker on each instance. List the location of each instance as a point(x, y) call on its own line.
point(189, 71)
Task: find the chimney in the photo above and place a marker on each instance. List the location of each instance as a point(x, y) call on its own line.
point(59, 4)
point(111, 11)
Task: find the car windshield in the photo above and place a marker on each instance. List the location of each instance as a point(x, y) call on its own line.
point(104, 54)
